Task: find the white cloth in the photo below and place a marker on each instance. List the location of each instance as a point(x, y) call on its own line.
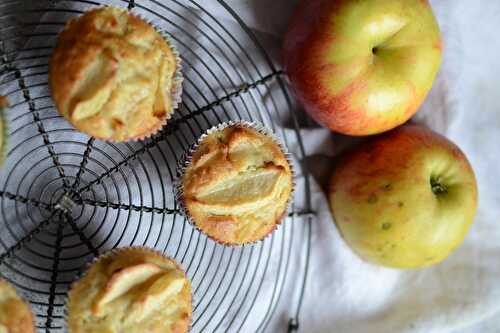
point(345, 294)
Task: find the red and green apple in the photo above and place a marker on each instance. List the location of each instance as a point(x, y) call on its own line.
point(362, 67)
point(405, 198)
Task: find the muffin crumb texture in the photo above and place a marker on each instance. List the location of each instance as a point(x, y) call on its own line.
point(131, 290)
point(15, 314)
point(237, 187)
point(111, 75)
point(4, 103)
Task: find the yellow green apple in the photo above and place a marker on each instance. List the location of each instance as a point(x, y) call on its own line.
point(362, 67)
point(405, 198)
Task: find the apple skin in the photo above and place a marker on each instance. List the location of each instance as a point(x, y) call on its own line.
point(404, 199)
point(362, 67)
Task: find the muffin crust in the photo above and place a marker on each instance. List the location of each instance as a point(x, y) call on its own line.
point(15, 314)
point(4, 103)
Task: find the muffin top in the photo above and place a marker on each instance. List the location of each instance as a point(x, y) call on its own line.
point(237, 186)
point(132, 290)
point(15, 314)
point(112, 75)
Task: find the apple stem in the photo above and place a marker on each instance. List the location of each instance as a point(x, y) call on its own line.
point(437, 187)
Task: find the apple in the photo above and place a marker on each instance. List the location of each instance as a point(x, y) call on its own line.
point(122, 281)
point(165, 287)
point(405, 198)
point(362, 67)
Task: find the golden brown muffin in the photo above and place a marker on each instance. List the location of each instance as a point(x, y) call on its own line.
point(131, 290)
point(3, 129)
point(15, 314)
point(237, 186)
point(113, 76)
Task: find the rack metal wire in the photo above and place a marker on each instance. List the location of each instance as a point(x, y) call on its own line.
point(67, 197)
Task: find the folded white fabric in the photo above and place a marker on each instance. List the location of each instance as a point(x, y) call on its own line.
point(345, 294)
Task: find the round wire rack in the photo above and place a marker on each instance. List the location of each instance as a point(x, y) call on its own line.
point(66, 197)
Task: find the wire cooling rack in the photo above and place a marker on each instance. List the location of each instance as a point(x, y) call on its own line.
point(67, 197)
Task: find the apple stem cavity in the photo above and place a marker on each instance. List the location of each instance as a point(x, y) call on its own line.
point(437, 187)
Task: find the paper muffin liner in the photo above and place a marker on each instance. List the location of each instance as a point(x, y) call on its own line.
point(4, 104)
point(120, 251)
point(177, 78)
point(186, 160)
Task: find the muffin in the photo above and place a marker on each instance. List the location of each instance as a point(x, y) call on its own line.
point(15, 314)
point(131, 290)
point(113, 76)
point(236, 183)
point(3, 129)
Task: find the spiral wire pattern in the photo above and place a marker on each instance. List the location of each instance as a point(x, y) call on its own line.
point(66, 197)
